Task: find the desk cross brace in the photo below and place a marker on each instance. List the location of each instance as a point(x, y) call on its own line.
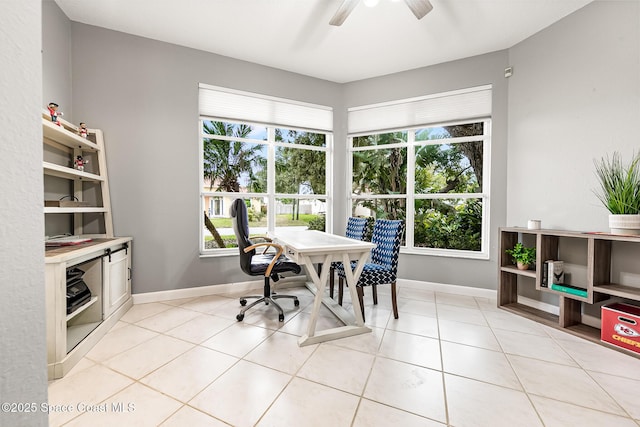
point(320, 283)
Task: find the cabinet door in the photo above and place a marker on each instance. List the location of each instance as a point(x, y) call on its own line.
point(117, 283)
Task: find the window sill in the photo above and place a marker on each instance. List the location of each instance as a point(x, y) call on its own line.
point(219, 253)
point(445, 253)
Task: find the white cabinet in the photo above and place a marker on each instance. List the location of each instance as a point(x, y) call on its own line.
point(105, 263)
point(117, 279)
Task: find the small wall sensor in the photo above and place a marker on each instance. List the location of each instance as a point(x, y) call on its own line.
point(508, 72)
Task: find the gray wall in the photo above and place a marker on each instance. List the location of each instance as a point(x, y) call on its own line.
point(23, 377)
point(56, 56)
point(475, 71)
point(565, 98)
point(574, 96)
point(144, 95)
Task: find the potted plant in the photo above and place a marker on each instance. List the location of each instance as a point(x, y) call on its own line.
point(522, 256)
point(619, 192)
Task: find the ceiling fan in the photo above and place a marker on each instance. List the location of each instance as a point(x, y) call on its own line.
point(419, 8)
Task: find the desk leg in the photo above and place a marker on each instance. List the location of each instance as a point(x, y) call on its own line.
point(313, 337)
point(352, 280)
point(320, 283)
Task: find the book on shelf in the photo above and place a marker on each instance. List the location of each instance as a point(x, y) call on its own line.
point(568, 289)
point(545, 274)
point(555, 274)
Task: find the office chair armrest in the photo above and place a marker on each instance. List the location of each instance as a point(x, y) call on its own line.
point(279, 252)
point(265, 238)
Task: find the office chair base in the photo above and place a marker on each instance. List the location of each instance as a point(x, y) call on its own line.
point(266, 300)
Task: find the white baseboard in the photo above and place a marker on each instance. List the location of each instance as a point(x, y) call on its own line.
point(202, 291)
point(289, 282)
point(450, 289)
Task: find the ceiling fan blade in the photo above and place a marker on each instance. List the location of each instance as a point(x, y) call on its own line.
point(419, 7)
point(343, 12)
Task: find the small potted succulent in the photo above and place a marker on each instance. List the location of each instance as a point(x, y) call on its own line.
point(522, 256)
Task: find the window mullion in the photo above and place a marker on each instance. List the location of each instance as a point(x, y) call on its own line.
point(411, 188)
point(271, 179)
point(349, 178)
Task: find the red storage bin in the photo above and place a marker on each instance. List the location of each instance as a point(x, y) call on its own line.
point(621, 326)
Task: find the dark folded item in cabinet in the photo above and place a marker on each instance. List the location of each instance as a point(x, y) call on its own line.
point(78, 294)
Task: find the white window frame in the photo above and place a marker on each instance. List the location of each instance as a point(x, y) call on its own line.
point(270, 195)
point(476, 108)
point(215, 200)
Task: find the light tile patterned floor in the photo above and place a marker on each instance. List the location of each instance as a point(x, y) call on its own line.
point(448, 360)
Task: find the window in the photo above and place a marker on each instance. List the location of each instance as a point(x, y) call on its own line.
point(279, 169)
point(435, 176)
point(216, 206)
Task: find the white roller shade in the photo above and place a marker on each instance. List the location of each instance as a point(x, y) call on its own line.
point(438, 108)
point(244, 106)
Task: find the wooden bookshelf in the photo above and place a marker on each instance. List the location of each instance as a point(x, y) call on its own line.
point(592, 262)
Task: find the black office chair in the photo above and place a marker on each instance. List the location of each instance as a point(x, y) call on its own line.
point(263, 264)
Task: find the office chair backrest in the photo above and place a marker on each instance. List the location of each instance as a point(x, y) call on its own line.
point(356, 228)
point(240, 221)
point(387, 235)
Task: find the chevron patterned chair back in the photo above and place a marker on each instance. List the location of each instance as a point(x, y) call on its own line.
point(356, 229)
point(383, 267)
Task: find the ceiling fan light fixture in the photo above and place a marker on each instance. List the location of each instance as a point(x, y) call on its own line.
point(343, 11)
point(419, 7)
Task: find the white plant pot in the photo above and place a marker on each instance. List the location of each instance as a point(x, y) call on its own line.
point(624, 224)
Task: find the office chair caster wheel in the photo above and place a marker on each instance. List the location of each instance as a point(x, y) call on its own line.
point(296, 302)
point(243, 302)
point(281, 318)
point(239, 317)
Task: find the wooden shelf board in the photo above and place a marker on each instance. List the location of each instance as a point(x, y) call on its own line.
point(532, 314)
point(76, 333)
point(83, 308)
point(576, 234)
point(60, 171)
point(584, 331)
point(75, 210)
point(548, 319)
point(62, 136)
point(565, 294)
point(617, 290)
point(513, 269)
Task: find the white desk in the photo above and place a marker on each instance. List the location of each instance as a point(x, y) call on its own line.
point(309, 247)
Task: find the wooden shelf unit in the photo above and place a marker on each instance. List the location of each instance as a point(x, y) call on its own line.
point(588, 264)
point(105, 260)
point(65, 140)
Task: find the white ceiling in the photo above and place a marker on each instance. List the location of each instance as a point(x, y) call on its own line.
point(295, 35)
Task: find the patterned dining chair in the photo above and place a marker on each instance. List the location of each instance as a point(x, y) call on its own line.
point(357, 230)
point(383, 267)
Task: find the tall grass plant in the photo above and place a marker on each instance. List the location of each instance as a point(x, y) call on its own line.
point(619, 189)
